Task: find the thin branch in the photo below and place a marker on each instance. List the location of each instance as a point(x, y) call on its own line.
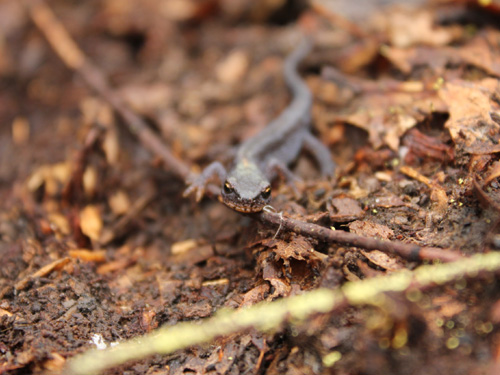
point(74, 188)
point(407, 251)
point(65, 47)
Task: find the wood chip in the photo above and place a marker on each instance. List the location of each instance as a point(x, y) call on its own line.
point(42, 272)
point(88, 255)
point(183, 246)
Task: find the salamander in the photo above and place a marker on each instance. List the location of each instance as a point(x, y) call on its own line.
point(260, 159)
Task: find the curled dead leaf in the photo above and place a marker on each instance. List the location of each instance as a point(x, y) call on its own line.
point(91, 222)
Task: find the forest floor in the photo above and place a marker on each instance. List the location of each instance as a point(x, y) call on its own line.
point(98, 244)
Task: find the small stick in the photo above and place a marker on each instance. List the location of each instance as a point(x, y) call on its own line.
point(42, 272)
point(119, 227)
point(65, 47)
point(75, 186)
point(407, 251)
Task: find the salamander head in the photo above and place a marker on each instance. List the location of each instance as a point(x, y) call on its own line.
point(246, 189)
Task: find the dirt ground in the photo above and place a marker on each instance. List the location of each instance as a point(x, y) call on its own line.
point(98, 244)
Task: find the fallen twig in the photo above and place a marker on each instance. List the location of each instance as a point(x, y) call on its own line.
point(119, 227)
point(407, 251)
point(42, 272)
point(74, 58)
point(74, 188)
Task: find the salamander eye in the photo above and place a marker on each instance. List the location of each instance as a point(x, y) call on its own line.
point(266, 193)
point(228, 189)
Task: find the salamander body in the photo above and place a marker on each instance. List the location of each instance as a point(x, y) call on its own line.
point(247, 186)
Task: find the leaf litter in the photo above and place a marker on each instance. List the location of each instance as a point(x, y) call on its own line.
point(96, 239)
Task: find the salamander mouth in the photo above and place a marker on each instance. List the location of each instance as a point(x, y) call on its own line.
point(244, 207)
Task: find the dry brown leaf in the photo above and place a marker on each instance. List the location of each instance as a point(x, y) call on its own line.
point(389, 201)
point(422, 146)
point(480, 51)
point(401, 124)
point(382, 260)
point(60, 222)
point(113, 266)
point(366, 271)
point(91, 222)
point(53, 177)
point(345, 209)
point(298, 248)
point(370, 229)
point(255, 295)
point(272, 273)
point(386, 116)
point(407, 28)
point(406, 59)
point(470, 107)
point(359, 55)
point(193, 255)
point(494, 173)
point(483, 52)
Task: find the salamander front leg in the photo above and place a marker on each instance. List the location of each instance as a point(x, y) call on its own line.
point(321, 153)
point(275, 168)
point(198, 183)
